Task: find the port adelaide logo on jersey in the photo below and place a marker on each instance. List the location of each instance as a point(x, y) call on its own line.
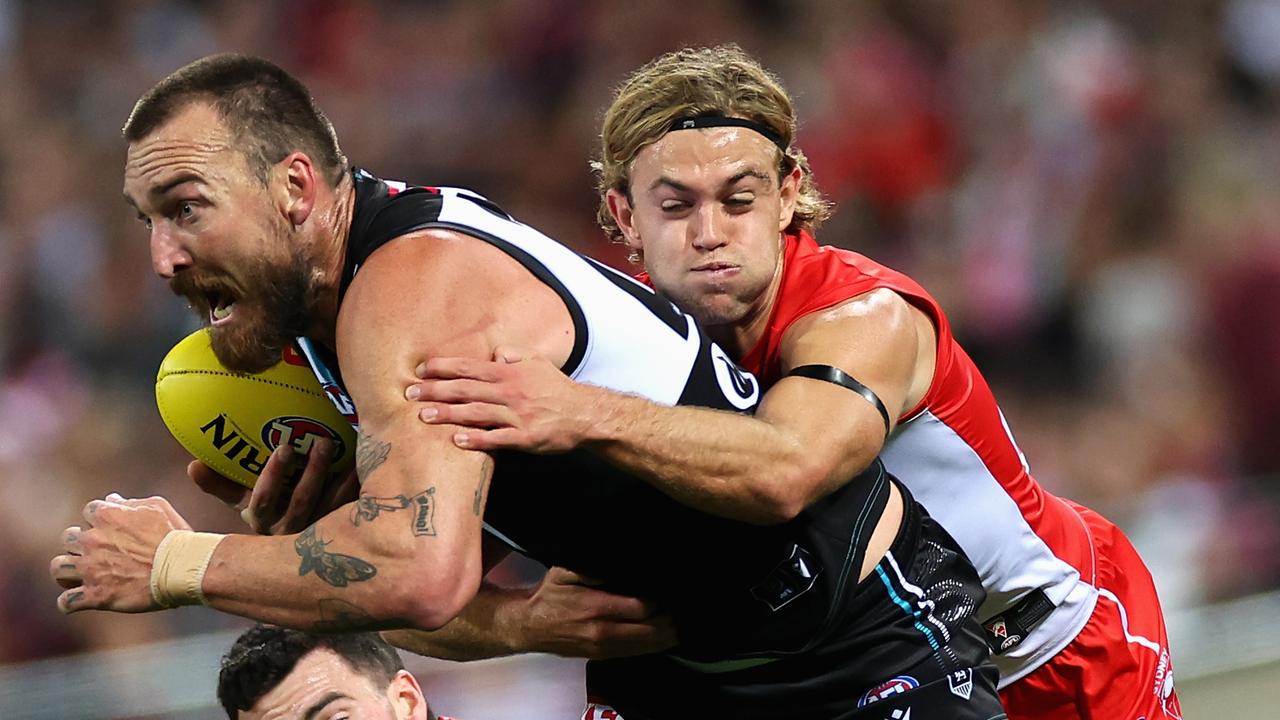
point(739, 386)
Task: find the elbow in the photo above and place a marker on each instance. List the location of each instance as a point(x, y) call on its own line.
point(781, 500)
point(804, 476)
point(794, 487)
point(429, 600)
point(781, 506)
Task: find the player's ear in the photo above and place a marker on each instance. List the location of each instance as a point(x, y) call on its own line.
point(300, 182)
point(789, 192)
point(620, 208)
point(406, 697)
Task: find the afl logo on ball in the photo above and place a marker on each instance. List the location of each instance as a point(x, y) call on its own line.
point(889, 688)
point(301, 433)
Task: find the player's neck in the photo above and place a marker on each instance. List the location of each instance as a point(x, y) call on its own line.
point(330, 244)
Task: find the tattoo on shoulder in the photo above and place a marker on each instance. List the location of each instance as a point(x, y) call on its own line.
point(370, 454)
point(334, 568)
point(339, 615)
point(368, 507)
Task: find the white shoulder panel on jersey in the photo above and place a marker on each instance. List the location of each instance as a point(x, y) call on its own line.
point(948, 478)
point(628, 347)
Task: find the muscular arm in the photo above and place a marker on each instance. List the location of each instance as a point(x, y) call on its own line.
point(481, 630)
point(407, 552)
point(564, 615)
point(806, 438)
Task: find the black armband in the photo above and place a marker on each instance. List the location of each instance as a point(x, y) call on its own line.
point(839, 377)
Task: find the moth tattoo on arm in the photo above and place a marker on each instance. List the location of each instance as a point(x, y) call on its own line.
point(422, 505)
point(334, 568)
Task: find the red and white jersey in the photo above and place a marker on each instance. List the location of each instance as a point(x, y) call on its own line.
point(956, 454)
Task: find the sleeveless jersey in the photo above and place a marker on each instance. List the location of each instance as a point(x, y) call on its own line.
point(734, 590)
point(956, 454)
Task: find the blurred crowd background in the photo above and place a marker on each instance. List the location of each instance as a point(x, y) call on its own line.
point(1091, 190)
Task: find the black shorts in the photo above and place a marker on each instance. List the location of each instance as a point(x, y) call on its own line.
point(906, 637)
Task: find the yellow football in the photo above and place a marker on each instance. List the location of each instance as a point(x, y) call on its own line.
point(231, 421)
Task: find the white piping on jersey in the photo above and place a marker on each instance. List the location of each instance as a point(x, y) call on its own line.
point(1124, 624)
point(496, 533)
point(922, 601)
point(1166, 684)
point(628, 348)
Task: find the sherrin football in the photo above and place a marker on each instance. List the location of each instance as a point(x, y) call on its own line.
point(232, 421)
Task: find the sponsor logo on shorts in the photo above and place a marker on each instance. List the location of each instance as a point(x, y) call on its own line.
point(961, 682)
point(889, 688)
point(301, 433)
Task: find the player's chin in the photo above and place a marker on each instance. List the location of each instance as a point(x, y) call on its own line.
point(247, 344)
point(718, 309)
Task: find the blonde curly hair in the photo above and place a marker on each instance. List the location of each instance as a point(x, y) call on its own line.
point(692, 82)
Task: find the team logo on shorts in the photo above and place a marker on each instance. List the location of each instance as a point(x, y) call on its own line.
point(887, 689)
point(961, 683)
point(301, 433)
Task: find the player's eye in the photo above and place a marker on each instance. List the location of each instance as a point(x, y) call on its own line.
point(740, 200)
point(674, 205)
point(186, 211)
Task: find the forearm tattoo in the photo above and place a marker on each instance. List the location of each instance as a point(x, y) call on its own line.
point(485, 473)
point(370, 454)
point(340, 615)
point(423, 505)
point(334, 568)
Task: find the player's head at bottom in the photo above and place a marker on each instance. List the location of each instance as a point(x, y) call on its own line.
point(283, 674)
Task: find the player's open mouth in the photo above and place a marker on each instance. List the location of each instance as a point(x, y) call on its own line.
point(221, 306)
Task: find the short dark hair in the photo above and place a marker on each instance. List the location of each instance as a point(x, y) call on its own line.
point(270, 112)
point(265, 655)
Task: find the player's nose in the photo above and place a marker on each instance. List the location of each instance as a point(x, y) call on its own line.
point(708, 228)
point(168, 256)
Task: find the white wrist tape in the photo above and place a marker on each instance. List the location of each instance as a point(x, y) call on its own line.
point(177, 571)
